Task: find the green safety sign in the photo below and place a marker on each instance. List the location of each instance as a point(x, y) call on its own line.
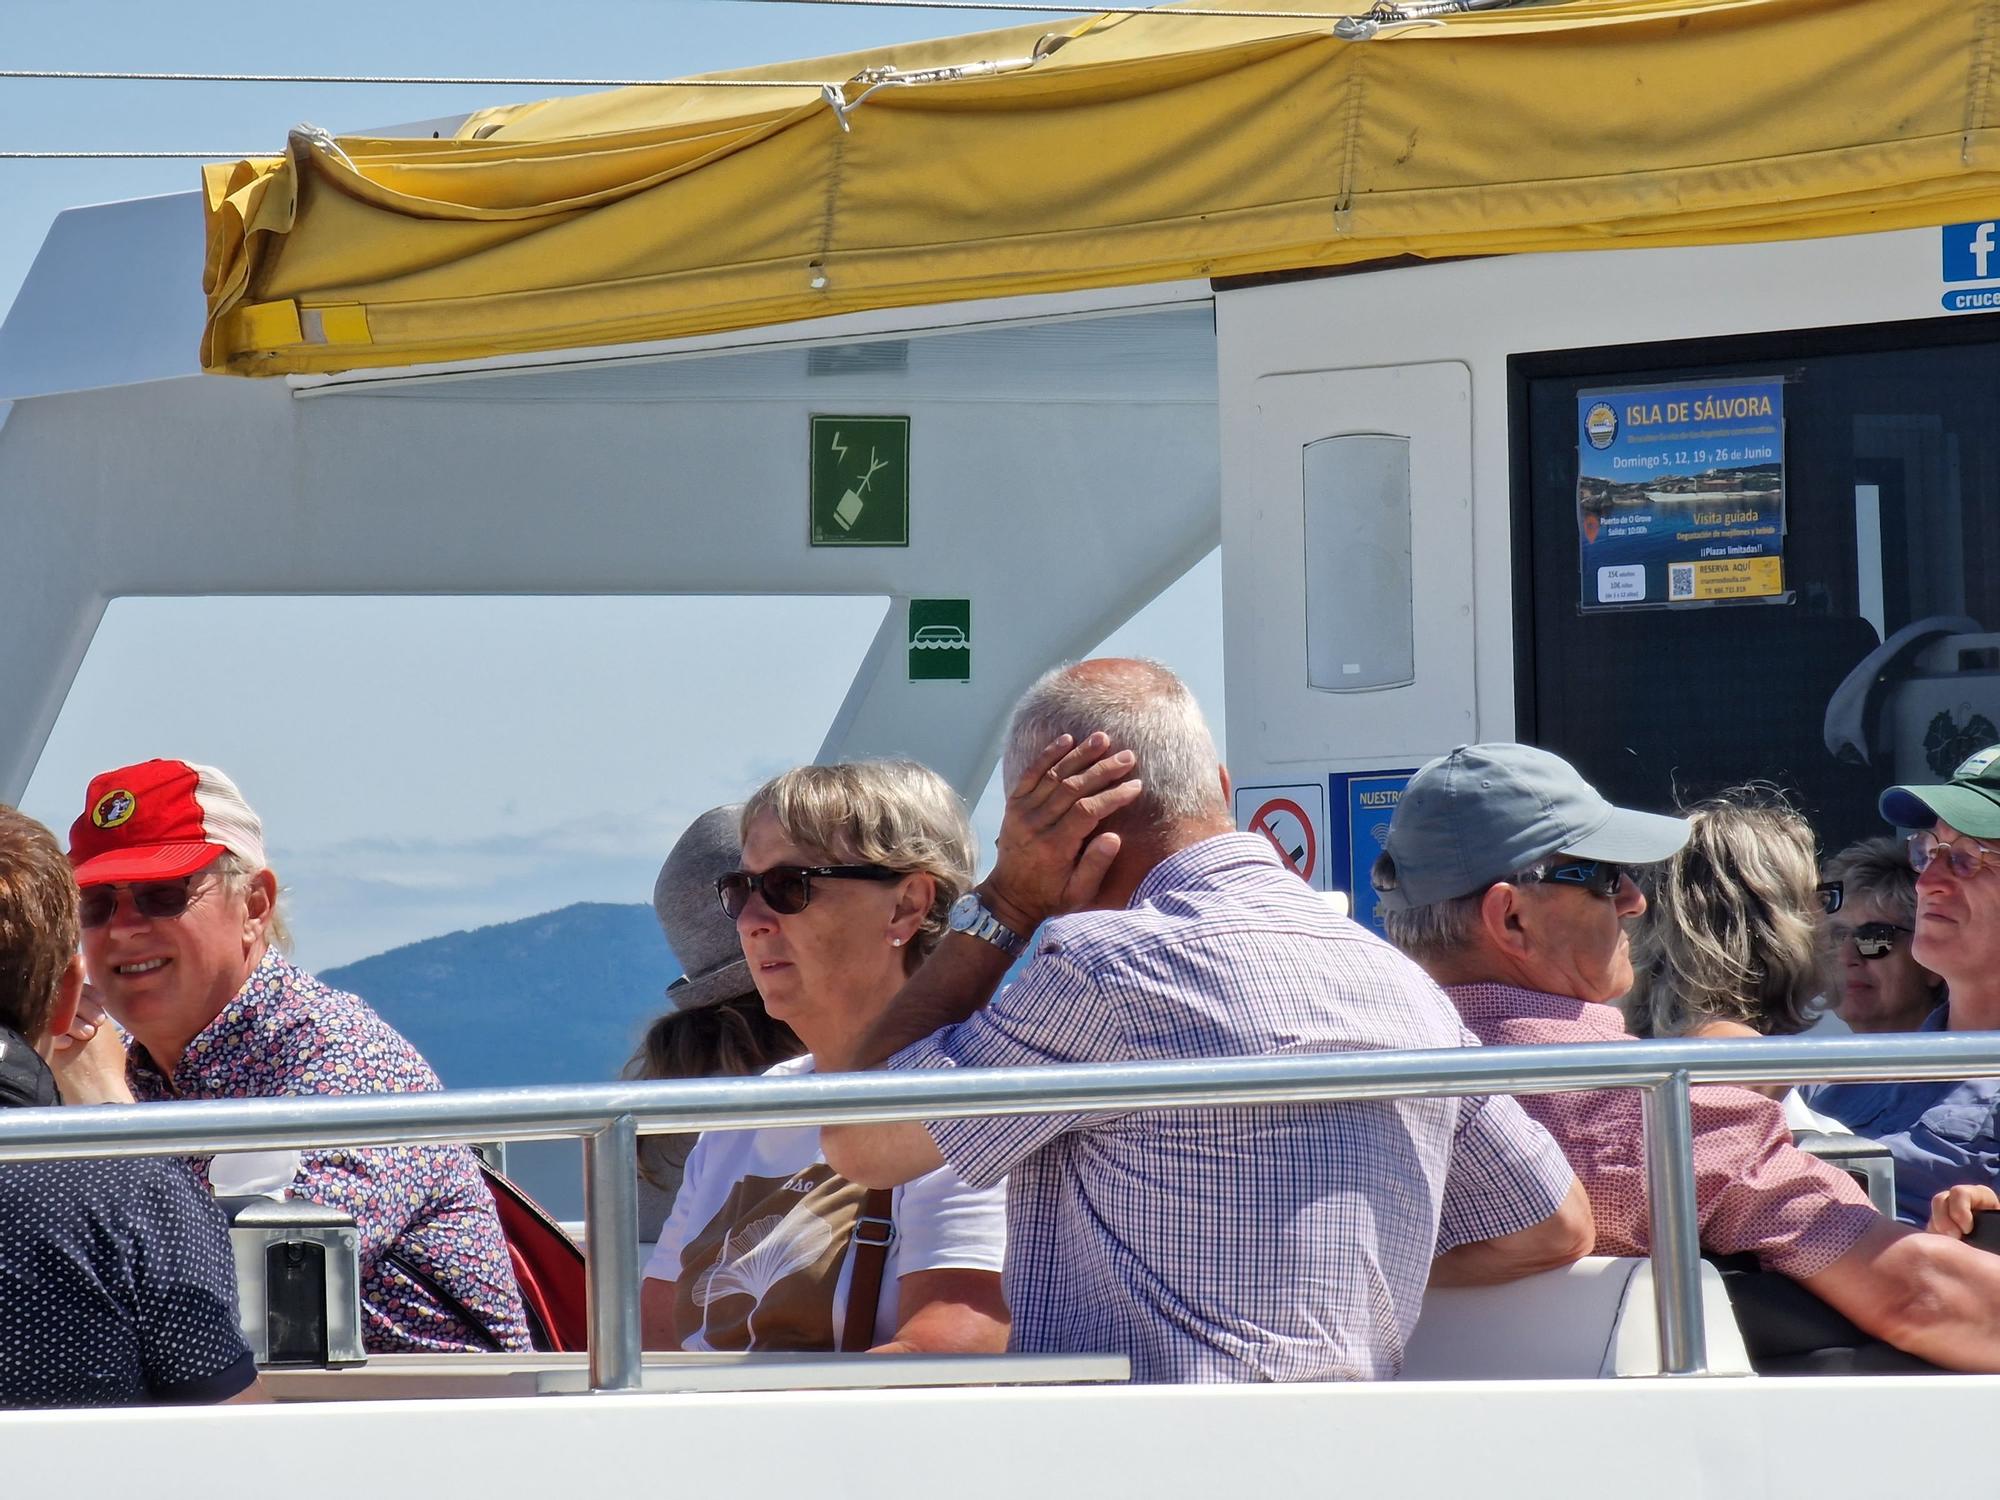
point(940, 640)
point(860, 482)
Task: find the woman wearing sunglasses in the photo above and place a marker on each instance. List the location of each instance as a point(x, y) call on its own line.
point(847, 874)
point(1943, 1134)
point(1871, 895)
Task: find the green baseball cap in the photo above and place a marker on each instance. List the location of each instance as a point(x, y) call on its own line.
point(1970, 801)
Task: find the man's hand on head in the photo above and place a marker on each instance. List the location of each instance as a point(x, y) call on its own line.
point(1052, 855)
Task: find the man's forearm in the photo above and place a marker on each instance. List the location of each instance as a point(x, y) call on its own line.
point(954, 982)
point(1564, 1236)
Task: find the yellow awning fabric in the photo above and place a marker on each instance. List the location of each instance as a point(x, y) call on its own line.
point(1136, 149)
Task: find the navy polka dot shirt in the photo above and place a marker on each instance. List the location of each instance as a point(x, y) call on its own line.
point(117, 1285)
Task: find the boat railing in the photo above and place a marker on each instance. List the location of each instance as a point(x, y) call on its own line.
point(609, 1118)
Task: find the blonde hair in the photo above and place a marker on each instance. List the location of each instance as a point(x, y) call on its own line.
point(1731, 929)
point(877, 812)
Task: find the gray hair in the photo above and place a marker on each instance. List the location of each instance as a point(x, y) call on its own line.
point(1146, 709)
point(237, 873)
point(1443, 929)
point(1731, 930)
point(1437, 931)
point(878, 812)
point(1877, 870)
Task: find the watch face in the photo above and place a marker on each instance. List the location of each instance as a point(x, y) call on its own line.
point(965, 911)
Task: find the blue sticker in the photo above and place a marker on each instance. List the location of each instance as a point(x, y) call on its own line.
point(1972, 252)
point(1986, 299)
point(1364, 805)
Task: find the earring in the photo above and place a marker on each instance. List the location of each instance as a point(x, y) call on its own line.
point(895, 942)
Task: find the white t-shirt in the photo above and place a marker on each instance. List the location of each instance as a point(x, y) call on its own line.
point(758, 1241)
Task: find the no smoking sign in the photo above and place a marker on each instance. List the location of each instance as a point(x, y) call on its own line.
point(1293, 819)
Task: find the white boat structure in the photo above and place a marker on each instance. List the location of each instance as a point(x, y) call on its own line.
point(1341, 295)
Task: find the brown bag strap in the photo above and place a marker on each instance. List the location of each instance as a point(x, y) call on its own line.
point(874, 1232)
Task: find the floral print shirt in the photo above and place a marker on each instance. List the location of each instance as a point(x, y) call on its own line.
point(429, 1233)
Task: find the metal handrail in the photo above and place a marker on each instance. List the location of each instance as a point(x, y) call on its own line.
point(610, 1117)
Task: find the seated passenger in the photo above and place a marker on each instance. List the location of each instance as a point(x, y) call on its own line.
point(1942, 1133)
point(841, 889)
point(117, 1285)
point(1507, 876)
point(718, 1027)
point(1285, 1243)
point(1730, 944)
point(181, 936)
point(1878, 983)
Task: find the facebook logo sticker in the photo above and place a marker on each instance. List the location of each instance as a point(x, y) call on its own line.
point(1972, 251)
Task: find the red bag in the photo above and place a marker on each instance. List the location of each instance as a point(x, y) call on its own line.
point(548, 1267)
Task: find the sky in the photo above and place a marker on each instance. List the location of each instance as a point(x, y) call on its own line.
point(403, 797)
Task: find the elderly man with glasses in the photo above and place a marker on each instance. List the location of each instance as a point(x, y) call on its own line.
point(1943, 1134)
point(182, 942)
point(1505, 874)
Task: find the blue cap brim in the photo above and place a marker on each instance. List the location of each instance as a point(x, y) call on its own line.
point(1968, 809)
point(1632, 838)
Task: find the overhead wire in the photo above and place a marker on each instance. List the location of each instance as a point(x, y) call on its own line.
point(1383, 13)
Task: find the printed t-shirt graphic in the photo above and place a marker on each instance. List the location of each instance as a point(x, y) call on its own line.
point(762, 1273)
point(758, 1243)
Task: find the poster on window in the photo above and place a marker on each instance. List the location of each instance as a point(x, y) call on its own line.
point(1680, 493)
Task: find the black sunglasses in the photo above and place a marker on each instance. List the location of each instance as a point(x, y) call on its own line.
point(1598, 876)
point(160, 900)
point(787, 889)
point(1830, 896)
point(1871, 939)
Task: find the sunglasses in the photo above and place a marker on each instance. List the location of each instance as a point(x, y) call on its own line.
point(160, 900)
point(1966, 860)
point(1830, 896)
point(1871, 939)
point(1598, 876)
point(787, 889)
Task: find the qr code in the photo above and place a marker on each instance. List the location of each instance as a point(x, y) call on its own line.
point(1680, 580)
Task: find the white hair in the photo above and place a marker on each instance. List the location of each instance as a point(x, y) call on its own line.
point(237, 873)
point(1146, 709)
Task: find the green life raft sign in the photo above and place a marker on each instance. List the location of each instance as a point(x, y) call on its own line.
point(940, 640)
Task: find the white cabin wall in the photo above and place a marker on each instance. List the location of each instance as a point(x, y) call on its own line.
point(1057, 517)
point(1373, 342)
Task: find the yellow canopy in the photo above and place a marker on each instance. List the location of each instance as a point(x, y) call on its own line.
point(1108, 151)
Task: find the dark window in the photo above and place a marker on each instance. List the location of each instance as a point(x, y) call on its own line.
point(1892, 449)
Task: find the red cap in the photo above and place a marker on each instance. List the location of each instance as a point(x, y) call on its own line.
point(160, 820)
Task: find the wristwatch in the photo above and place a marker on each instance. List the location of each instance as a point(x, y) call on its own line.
point(970, 916)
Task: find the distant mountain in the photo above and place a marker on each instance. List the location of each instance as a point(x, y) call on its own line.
point(559, 998)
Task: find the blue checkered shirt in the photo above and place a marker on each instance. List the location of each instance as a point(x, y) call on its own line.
point(1283, 1243)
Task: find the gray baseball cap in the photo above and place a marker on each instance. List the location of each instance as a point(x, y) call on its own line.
point(684, 900)
point(1970, 802)
point(1482, 812)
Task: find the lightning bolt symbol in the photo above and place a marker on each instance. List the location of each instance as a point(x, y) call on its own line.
point(839, 448)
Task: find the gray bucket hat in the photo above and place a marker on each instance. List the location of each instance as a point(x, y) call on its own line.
point(684, 899)
point(1483, 812)
point(1970, 801)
